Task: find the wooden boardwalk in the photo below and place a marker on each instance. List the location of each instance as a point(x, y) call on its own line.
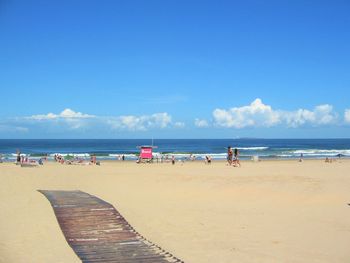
point(98, 233)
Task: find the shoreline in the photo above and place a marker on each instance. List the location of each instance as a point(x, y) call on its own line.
point(260, 159)
point(184, 149)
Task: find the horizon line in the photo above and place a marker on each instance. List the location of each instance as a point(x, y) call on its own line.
point(243, 138)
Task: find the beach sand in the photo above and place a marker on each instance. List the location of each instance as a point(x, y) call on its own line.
point(269, 211)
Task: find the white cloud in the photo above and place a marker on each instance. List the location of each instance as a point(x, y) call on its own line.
point(255, 114)
point(201, 123)
point(161, 120)
point(78, 120)
point(321, 115)
point(65, 114)
point(258, 114)
point(140, 123)
point(71, 119)
point(179, 124)
point(347, 116)
point(68, 113)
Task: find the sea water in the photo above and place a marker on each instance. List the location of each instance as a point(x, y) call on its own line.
point(112, 149)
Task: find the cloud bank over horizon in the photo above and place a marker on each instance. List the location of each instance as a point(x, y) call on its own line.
point(72, 120)
point(65, 114)
point(255, 115)
point(258, 114)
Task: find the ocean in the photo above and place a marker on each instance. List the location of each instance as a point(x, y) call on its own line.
point(112, 149)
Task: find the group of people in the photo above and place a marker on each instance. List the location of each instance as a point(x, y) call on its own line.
point(121, 157)
point(21, 158)
point(24, 161)
point(233, 157)
point(60, 159)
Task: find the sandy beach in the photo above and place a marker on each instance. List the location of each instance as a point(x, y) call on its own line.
point(269, 211)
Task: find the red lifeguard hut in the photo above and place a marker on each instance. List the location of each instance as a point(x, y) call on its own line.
point(146, 151)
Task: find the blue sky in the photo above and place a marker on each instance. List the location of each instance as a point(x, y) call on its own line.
point(174, 69)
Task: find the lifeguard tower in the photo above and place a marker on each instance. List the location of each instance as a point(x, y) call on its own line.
point(146, 153)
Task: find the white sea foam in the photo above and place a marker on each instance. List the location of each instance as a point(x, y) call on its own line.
point(22, 154)
point(194, 155)
point(71, 154)
point(286, 155)
point(115, 155)
point(322, 152)
point(253, 148)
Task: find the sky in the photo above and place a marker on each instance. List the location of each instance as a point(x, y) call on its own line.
point(174, 69)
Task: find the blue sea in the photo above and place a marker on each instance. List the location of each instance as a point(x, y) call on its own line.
point(112, 149)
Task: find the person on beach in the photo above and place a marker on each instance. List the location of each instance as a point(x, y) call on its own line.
point(328, 160)
point(93, 159)
point(192, 157)
point(301, 157)
point(236, 161)
point(229, 155)
point(207, 159)
point(173, 160)
point(18, 156)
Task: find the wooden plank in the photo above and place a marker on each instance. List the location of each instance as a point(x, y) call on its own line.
point(97, 232)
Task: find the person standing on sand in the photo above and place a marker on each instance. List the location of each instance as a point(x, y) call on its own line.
point(301, 157)
point(93, 159)
point(18, 156)
point(229, 155)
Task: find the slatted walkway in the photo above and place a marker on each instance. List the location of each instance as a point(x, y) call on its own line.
point(98, 233)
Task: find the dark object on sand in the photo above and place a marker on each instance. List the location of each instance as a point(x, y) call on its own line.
point(98, 233)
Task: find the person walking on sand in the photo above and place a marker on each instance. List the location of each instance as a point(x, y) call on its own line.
point(236, 161)
point(229, 155)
